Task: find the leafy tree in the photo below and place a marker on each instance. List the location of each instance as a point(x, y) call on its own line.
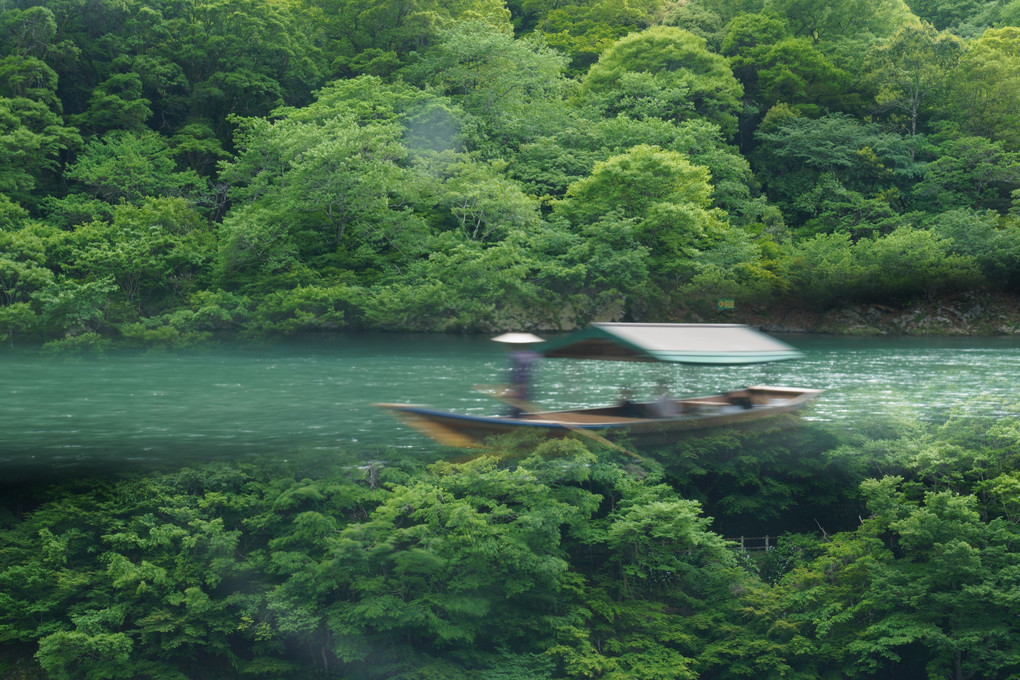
point(776, 67)
point(387, 32)
point(824, 270)
point(645, 539)
point(24, 260)
point(667, 196)
point(238, 70)
point(170, 65)
point(800, 154)
point(549, 562)
point(469, 153)
point(12, 215)
point(32, 138)
point(965, 18)
point(29, 78)
point(72, 308)
point(912, 262)
point(41, 300)
point(734, 188)
point(549, 164)
point(617, 628)
point(196, 147)
point(334, 190)
point(853, 21)
point(933, 597)
point(131, 167)
point(794, 72)
point(301, 310)
point(259, 252)
point(456, 562)
point(486, 205)
point(103, 656)
point(969, 172)
point(634, 182)
point(598, 269)
point(463, 286)
point(156, 253)
point(985, 85)
point(832, 207)
point(699, 19)
point(910, 73)
point(584, 31)
point(546, 165)
point(1009, 15)
point(117, 105)
point(148, 571)
point(65, 212)
point(157, 62)
point(667, 73)
point(23, 275)
point(512, 87)
point(993, 243)
point(906, 264)
point(730, 9)
point(747, 39)
point(28, 32)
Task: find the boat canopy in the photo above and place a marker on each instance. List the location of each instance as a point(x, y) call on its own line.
point(694, 343)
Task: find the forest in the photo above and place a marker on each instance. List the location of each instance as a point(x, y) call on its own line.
point(174, 172)
point(557, 560)
point(178, 172)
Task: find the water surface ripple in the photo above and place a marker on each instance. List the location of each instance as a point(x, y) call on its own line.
point(276, 400)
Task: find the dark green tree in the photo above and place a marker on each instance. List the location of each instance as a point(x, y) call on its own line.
point(984, 90)
point(838, 153)
point(667, 73)
point(32, 141)
point(910, 73)
point(920, 583)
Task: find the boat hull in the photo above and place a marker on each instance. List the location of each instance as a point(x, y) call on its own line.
point(639, 422)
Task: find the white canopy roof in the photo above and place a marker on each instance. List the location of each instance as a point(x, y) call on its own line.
point(682, 343)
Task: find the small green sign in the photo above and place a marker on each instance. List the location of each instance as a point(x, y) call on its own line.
point(726, 303)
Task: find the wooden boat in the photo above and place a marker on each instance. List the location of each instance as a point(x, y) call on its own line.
point(661, 420)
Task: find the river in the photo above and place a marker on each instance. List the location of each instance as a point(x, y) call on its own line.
point(315, 397)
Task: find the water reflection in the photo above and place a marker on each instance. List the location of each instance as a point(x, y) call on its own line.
point(316, 397)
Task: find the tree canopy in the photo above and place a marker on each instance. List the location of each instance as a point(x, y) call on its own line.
point(538, 560)
point(468, 166)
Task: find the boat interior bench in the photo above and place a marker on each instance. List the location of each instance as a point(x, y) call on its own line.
point(580, 418)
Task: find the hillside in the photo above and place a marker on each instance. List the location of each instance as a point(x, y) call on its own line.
point(172, 173)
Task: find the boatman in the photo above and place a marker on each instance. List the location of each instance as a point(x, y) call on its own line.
point(521, 363)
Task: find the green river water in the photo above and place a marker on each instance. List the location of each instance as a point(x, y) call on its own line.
point(315, 397)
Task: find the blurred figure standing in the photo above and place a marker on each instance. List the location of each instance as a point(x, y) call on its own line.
point(522, 361)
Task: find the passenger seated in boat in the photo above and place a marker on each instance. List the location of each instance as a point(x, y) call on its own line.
point(664, 405)
point(626, 407)
point(741, 399)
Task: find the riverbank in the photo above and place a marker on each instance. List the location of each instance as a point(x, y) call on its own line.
point(966, 314)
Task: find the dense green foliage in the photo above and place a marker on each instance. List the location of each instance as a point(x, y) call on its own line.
point(171, 172)
point(901, 558)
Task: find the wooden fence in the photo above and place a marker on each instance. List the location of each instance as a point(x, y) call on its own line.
point(745, 543)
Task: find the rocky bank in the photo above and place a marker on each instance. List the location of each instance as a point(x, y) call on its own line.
point(964, 314)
